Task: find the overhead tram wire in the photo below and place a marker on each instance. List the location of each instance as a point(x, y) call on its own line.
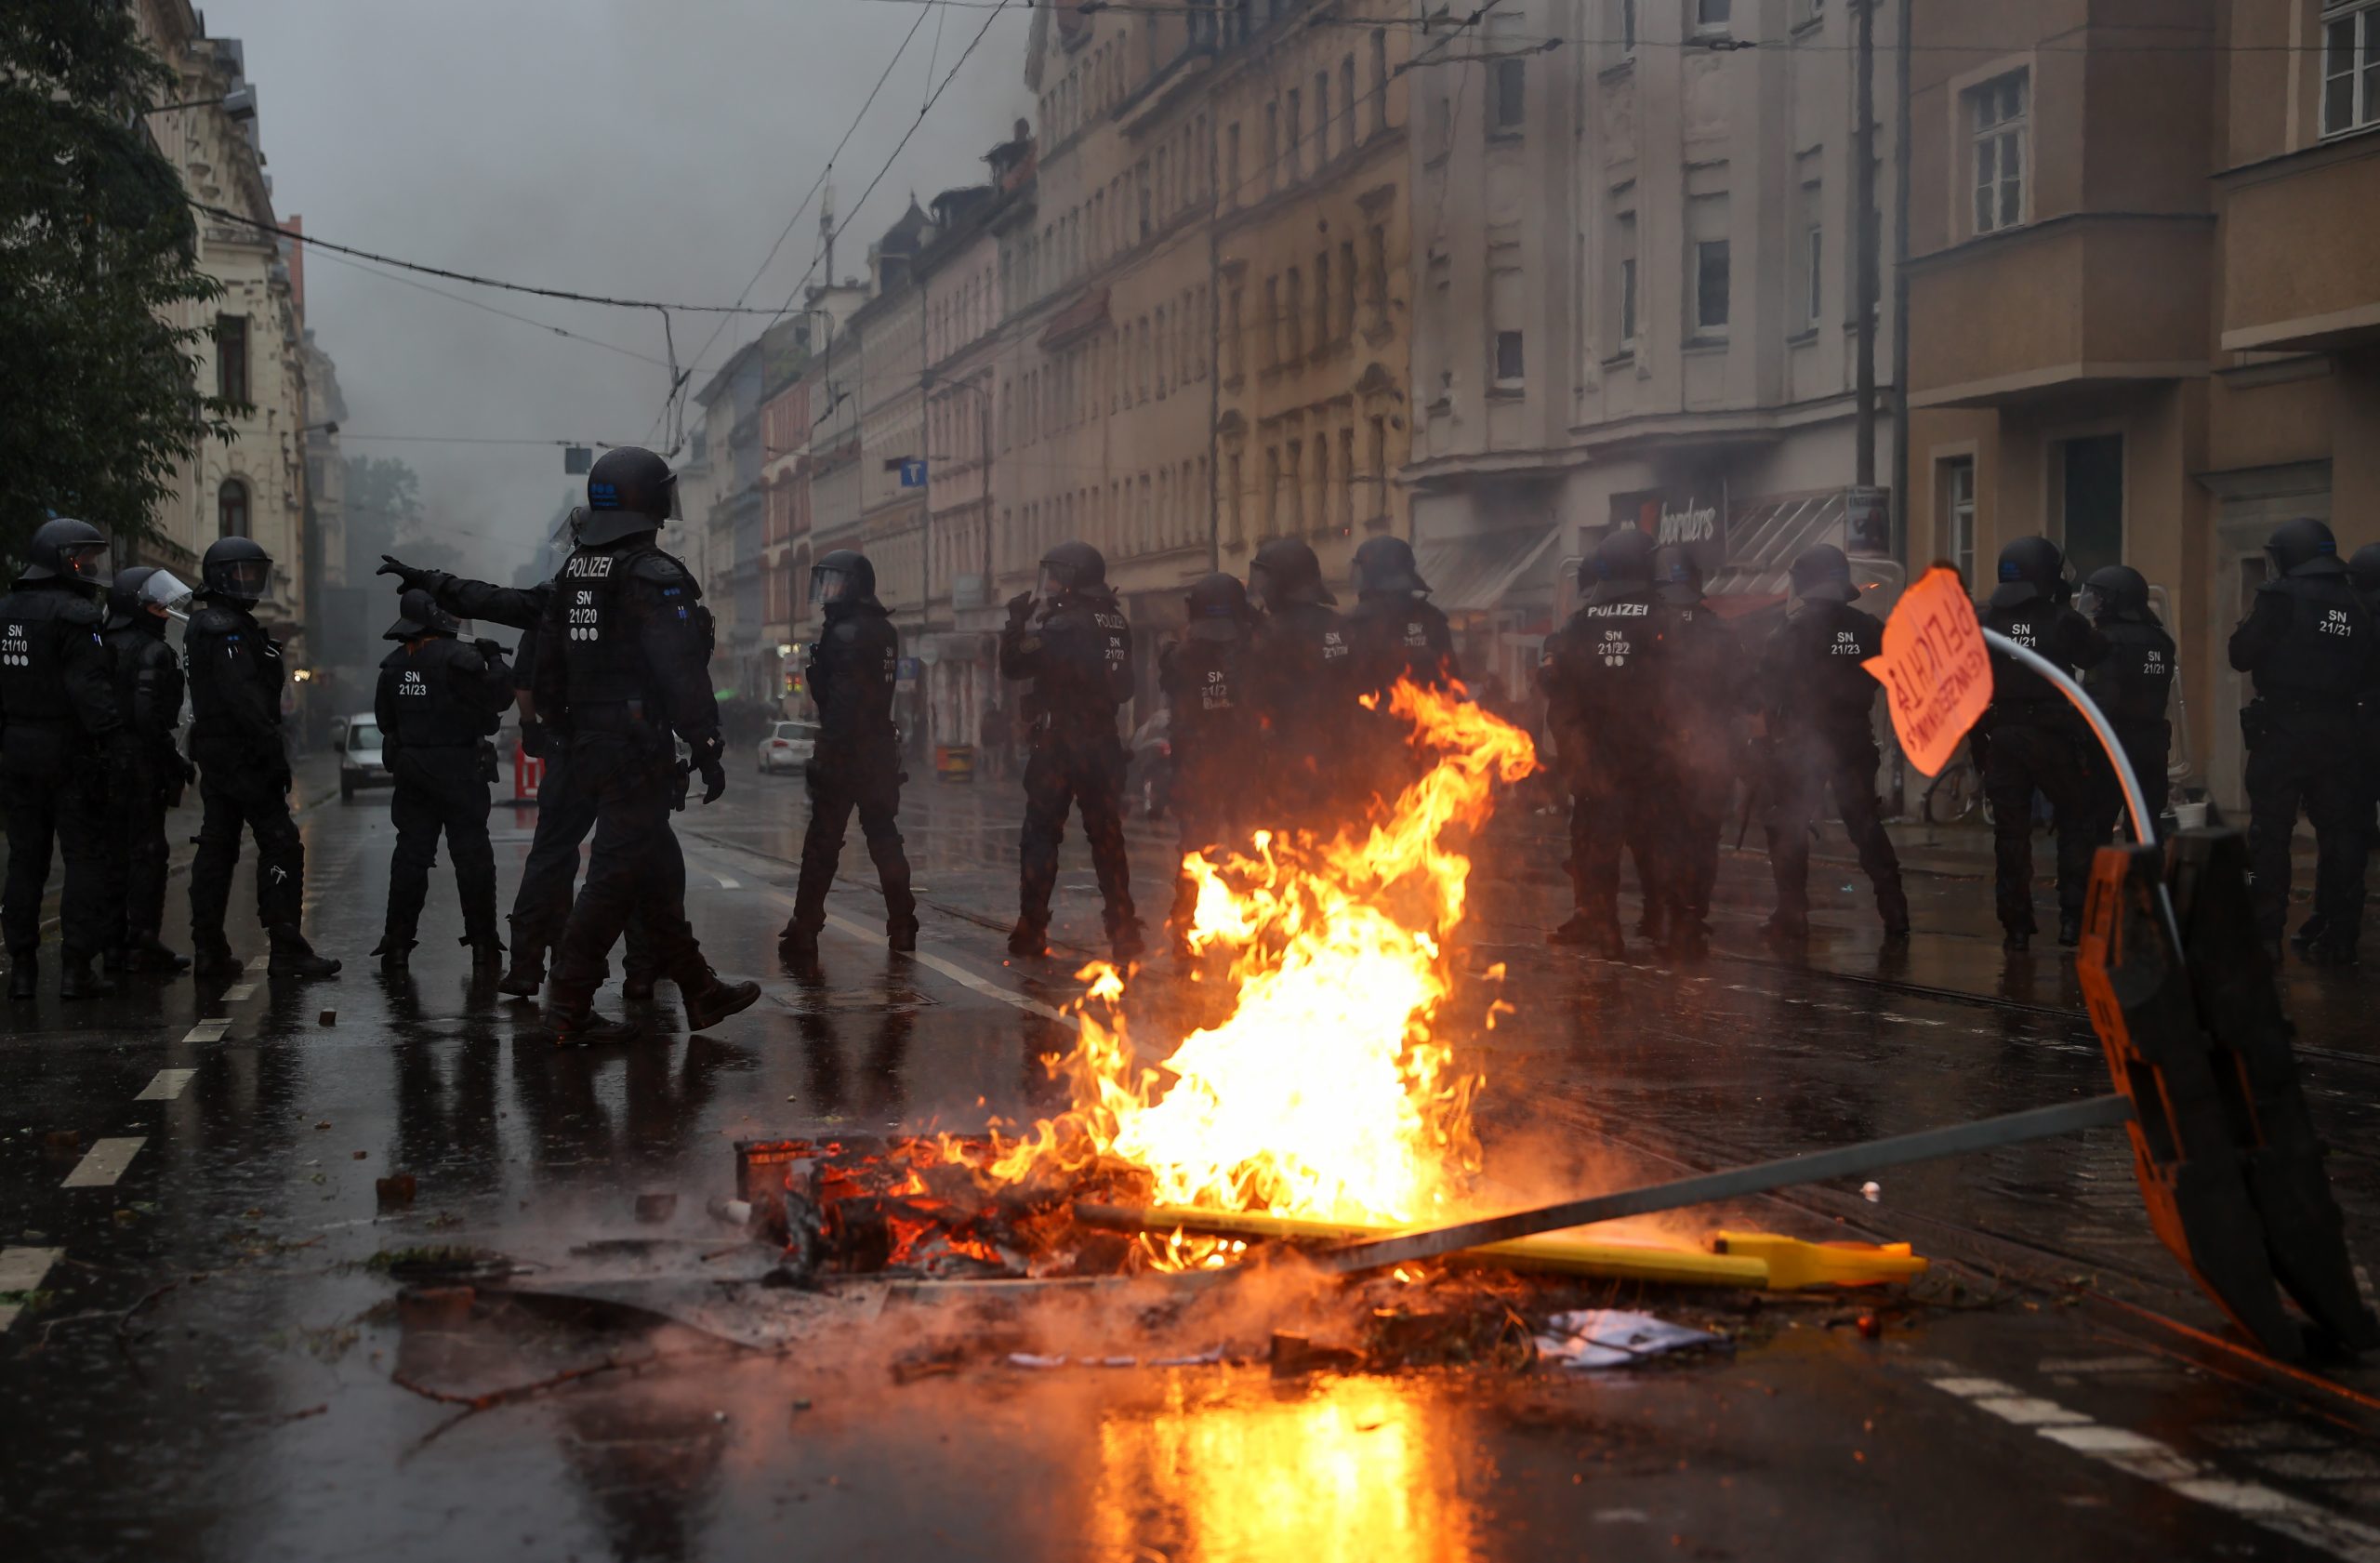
point(491, 309)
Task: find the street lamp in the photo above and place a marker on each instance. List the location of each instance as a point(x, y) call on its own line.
point(240, 103)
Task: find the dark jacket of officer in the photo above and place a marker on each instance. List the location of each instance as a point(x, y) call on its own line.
point(1603, 673)
point(1814, 676)
point(235, 677)
point(149, 691)
point(58, 699)
point(1394, 635)
point(1301, 685)
point(438, 692)
point(1212, 727)
point(1078, 651)
point(2309, 640)
point(515, 607)
point(2022, 696)
point(625, 644)
point(855, 665)
point(2133, 682)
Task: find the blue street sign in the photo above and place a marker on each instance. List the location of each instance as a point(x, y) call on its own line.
point(913, 474)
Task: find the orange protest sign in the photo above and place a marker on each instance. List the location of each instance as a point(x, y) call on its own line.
point(1934, 668)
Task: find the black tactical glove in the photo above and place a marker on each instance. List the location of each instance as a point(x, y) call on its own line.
point(492, 650)
point(709, 761)
point(1020, 608)
point(408, 576)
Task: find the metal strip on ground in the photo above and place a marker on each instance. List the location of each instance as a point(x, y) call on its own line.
point(105, 1162)
point(2151, 1460)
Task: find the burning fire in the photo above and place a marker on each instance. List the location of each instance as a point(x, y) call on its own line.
point(1325, 1093)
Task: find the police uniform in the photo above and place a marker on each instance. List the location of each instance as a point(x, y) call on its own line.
point(1603, 677)
point(1078, 652)
point(2132, 686)
point(438, 699)
point(58, 720)
point(235, 674)
point(148, 775)
point(1394, 636)
point(1816, 698)
point(1302, 682)
point(855, 765)
point(1211, 730)
point(2035, 741)
point(1703, 683)
point(623, 660)
point(2308, 641)
point(566, 813)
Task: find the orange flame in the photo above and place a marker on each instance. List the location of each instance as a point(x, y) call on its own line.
point(1325, 1093)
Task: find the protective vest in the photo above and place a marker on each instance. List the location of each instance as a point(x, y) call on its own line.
point(34, 627)
point(235, 675)
point(1605, 663)
point(1814, 673)
point(1399, 637)
point(1084, 660)
point(1206, 692)
point(2326, 650)
point(148, 681)
point(433, 697)
point(855, 666)
point(2052, 630)
point(2133, 682)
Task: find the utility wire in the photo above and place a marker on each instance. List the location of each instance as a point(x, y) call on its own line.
point(491, 309)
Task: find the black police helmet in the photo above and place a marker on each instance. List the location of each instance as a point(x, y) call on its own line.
point(628, 490)
point(1677, 576)
point(844, 576)
point(235, 569)
point(1073, 566)
point(123, 594)
point(2365, 567)
point(1218, 605)
point(2119, 592)
point(1620, 566)
point(1291, 575)
point(65, 549)
point(2304, 544)
point(1386, 564)
point(418, 615)
point(2031, 570)
point(1823, 573)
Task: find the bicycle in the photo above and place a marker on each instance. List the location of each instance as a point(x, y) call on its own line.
point(1957, 793)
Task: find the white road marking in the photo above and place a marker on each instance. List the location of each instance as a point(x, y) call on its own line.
point(959, 975)
point(207, 1032)
point(257, 963)
point(105, 1162)
point(726, 883)
point(2152, 1459)
point(238, 992)
point(167, 1086)
point(21, 1269)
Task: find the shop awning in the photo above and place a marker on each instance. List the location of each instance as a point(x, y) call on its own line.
point(1764, 537)
point(1473, 573)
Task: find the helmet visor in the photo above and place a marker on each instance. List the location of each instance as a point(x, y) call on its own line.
point(829, 586)
point(164, 592)
point(84, 562)
point(1056, 579)
point(244, 577)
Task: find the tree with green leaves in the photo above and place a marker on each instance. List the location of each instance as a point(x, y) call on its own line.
point(101, 403)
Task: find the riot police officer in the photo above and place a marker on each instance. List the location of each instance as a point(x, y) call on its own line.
point(2309, 643)
point(147, 772)
point(2131, 685)
point(1815, 699)
point(1394, 632)
point(1302, 685)
point(856, 764)
point(58, 719)
point(1703, 687)
point(235, 677)
point(1602, 674)
point(2036, 742)
point(624, 661)
point(1076, 646)
point(437, 699)
point(1211, 728)
point(566, 813)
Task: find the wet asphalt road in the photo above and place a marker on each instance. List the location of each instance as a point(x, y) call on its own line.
point(201, 1362)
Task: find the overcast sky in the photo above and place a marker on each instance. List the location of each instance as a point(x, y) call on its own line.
point(638, 147)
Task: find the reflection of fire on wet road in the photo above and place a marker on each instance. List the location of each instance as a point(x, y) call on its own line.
point(1342, 1470)
point(1326, 1092)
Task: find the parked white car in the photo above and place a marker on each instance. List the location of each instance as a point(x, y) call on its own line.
point(788, 747)
point(360, 764)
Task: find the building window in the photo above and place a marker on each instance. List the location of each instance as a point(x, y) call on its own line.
point(1957, 539)
point(1624, 284)
point(1710, 287)
point(1508, 89)
point(232, 362)
point(1380, 79)
point(1231, 334)
point(1346, 479)
point(1508, 360)
point(1378, 452)
point(1231, 502)
point(1295, 476)
point(1321, 300)
point(1231, 163)
point(2350, 65)
point(1814, 268)
point(1295, 152)
point(1271, 491)
point(1272, 146)
point(1713, 16)
point(231, 509)
point(1377, 242)
point(1346, 290)
point(1998, 110)
point(1347, 98)
point(1321, 481)
point(1294, 315)
point(1272, 323)
point(1321, 118)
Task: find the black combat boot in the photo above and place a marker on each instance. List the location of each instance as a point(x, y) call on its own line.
point(1027, 941)
point(2329, 950)
point(1596, 935)
point(293, 957)
point(146, 952)
point(1787, 930)
point(216, 963)
point(709, 1001)
point(526, 975)
point(2069, 930)
point(487, 953)
point(798, 947)
point(900, 935)
point(637, 987)
point(2016, 941)
point(579, 1026)
point(24, 971)
point(1125, 941)
point(76, 980)
point(112, 960)
point(395, 954)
